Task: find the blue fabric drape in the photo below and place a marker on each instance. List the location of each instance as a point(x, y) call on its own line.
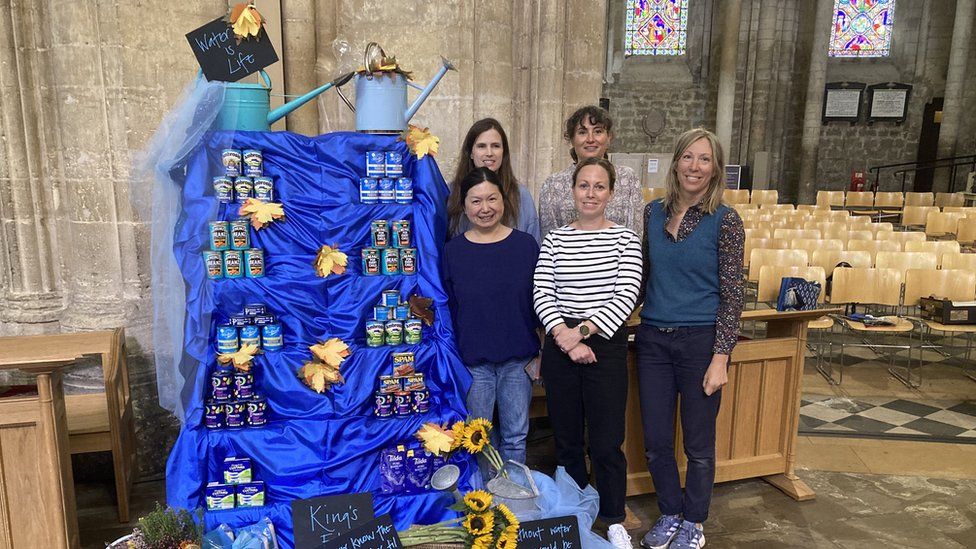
point(313, 444)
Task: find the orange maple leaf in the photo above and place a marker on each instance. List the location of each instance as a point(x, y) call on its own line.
point(241, 359)
point(261, 213)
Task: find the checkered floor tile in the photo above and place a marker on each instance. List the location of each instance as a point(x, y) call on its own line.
point(953, 421)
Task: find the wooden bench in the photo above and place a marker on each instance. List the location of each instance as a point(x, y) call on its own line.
point(97, 422)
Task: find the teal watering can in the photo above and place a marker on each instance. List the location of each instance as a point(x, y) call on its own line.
point(247, 107)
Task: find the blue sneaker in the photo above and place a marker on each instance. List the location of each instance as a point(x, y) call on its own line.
point(690, 536)
point(664, 530)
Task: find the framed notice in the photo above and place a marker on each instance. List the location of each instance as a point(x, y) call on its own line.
point(888, 102)
point(842, 101)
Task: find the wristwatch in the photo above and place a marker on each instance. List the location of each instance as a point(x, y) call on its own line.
point(584, 330)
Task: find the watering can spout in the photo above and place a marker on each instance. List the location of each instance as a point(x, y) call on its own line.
point(445, 66)
point(288, 107)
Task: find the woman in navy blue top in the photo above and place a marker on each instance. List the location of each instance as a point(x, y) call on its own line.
point(689, 326)
point(488, 277)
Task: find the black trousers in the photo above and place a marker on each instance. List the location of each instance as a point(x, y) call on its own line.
point(591, 398)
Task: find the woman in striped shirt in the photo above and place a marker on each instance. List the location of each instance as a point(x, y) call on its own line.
point(586, 285)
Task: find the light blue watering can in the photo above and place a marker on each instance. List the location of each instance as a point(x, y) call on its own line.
point(247, 107)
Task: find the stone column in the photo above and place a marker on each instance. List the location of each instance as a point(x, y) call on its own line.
point(952, 109)
point(765, 80)
point(299, 47)
point(725, 112)
point(810, 143)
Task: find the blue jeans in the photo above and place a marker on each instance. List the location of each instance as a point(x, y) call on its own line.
point(507, 383)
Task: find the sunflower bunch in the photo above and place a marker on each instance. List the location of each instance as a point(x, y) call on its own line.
point(483, 526)
point(471, 436)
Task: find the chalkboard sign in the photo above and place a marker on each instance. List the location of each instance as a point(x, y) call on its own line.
point(375, 534)
point(321, 520)
point(222, 58)
point(552, 533)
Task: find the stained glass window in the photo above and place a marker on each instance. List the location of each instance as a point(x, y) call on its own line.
point(861, 28)
point(656, 27)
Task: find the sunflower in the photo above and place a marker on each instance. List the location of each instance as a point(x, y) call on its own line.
point(481, 422)
point(478, 500)
point(483, 542)
point(457, 431)
point(475, 437)
point(509, 517)
point(507, 540)
point(479, 524)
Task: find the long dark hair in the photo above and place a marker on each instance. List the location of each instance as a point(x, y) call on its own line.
point(506, 178)
point(476, 177)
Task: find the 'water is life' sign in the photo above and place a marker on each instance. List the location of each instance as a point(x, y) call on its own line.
point(223, 58)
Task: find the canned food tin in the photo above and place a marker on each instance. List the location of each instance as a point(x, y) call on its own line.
point(264, 320)
point(369, 190)
point(371, 261)
point(223, 189)
point(240, 235)
point(254, 258)
point(421, 401)
point(257, 411)
point(408, 261)
point(264, 189)
point(401, 233)
point(390, 298)
point(255, 309)
point(271, 339)
point(387, 190)
point(214, 262)
point(227, 341)
point(394, 332)
point(401, 312)
point(243, 385)
point(236, 411)
point(253, 163)
point(402, 403)
point(243, 189)
point(383, 404)
point(390, 261)
point(403, 190)
point(250, 335)
point(233, 261)
point(241, 320)
point(390, 384)
point(381, 312)
point(403, 363)
point(221, 385)
point(412, 331)
point(214, 416)
point(231, 159)
point(379, 233)
point(413, 382)
point(219, 235)
point(375, 164)
point(394, 164)
point(375, 330)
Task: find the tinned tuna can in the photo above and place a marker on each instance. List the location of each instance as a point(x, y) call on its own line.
point(402, 403)
point(241, 320)
point(252, 309)
point(221, 385)
point(243, 385)
point(387, 190)
point(401, 233)
point(233, 264)
point(381, 312)
point(420, 401)
point(369, 190)
point(227, 341)
point(254, 258)
point(412, 331)
point(383, 404)
point(264, 320)
point(236, 411)
point(271, 339)
point(408, 261)
point(379, 233)
point(257, 411)
point(214, 262)
point(374, 333)
point(214, 416)
point(240, 235)
point(394, 332)
point(223, 189)
point(243, 189)
point(250, 335)
point(375, 164)
point(253, 163)
point(371, 261)
point(219, 235)
point(390, 298)
point(390, 261)
point(231, 159)
point(264, 189)
point(401, 311)
point(394, 163)
point(403, 190)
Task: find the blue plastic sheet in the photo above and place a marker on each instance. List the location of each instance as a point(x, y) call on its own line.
point(313, 444)
point(560, 496)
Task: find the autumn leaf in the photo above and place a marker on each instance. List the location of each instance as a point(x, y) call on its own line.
point(261, 213)
point(241, 359)
point(420, 308)
point(330, 261)
point(245, 20)
point(332, 352)
point(319, 376)
point(437, 439)
point(420, 141)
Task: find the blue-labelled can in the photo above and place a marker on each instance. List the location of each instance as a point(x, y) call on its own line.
point(375, 332)
point(387, 190)
point(254, 259)
point(227, 341)
point(214, 262)
point(394, 164)
point(240, 235)
point(420, 401)
point(390, 261)
point(401, 312)
point(403, 190)
point(257, 411)
point(371, 261)
point(408, 261)
point(264, 189)
point(394, 332)
point(223, 189)
point(381, 312)
point(233, 264)
point(383, 404)
point(219, 235)
point(231, 159)
point(390, 298)
point(243, 189)
point(250, 335)
point(240, 320)
point(252, 309)
point(214, 415)
point(243, 385)
point(379, 233)
point(375, 164)
point(271, 339)
point(236, 412)
point(400, 230)
point(264, 320)
point(369, 190)
point(253, 163)
point(402, 403)
point(413, 330)
point(221, 385)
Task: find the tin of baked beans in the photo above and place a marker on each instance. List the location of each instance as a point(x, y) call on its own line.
point(400, 230)
point(264, 189)
point(369, 190)
point(375, 331)
point(214, 262)
point(408, 261)
point(221, 385)
point(219, 235)
point(403, 190)
point(382, 312)
point(271, 339)
point(379, 233)
point(402, 403)
point(413, 330)
point(257, 411)
point(236, 411)
point(255, 309)
point(223, 189)
point(387, 190)
point(375, 164)
point(231, 159)
point(227, 341)
point(243, 385)
point(401, 311)
point(214, 415)
point(233, 264)
point(390, 261)
point(390, 298)
point(393, 332)
point(420, 401)
point(264, 320)
point(390, 384)
point(254, 258)
point(240, 235)
point(243, 189)
point(253, 163)
point(383, 404)
point(250, 335)
point(394, 163)
point(371, 261)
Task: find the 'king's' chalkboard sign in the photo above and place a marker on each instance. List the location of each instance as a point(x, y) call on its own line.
point(319, 521)
point(552, 533)
point(375, 534)
point(222, 58)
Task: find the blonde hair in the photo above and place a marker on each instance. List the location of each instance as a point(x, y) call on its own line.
point(713, 196)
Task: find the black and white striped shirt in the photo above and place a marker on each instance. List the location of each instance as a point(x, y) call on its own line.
point(591, 275)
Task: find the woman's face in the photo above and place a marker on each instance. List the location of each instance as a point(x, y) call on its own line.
point(591, 193)
point(591, 140)
point(487, 151)
point(695, 169)
point(484, 205)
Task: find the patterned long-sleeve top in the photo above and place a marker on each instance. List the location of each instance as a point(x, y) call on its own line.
point(557, 207)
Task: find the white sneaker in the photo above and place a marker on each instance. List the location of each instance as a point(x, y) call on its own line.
point(619, 537)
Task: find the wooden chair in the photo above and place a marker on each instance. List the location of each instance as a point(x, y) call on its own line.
point(859, 235)
point(902, 261)
point(735, 196)
point(745, 208)
point(829, 259)
point(966, 230)
point(860, 202)
point(938, 247)
point(959, 261)
point(838, 215)
point(781, 258)
point(790, 234)
point(914, 216)
point(758, 232)
point(919, 199)
point(889, 203)
point(809, 208)
point(942, 223)
point(857, 221)
point(873, 247)
point(811, 245)
point(956, 285)
point(950, 199)
point(830, 199)
point(760, 196)
point(900, 237)
point(875, 228)
point(773, 207)
point(762, 243)
point(771, 276)
point(653, 193)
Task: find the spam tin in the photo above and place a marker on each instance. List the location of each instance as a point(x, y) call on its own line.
point(221, 386)
point(402, 403)
point(394, 163)
point(227, 341)
point(240, 235)
point(219, 235)
point(390, 298)
point(253, 163)
point(401, 312)
point(255, 309)
point(236, 411)
point(382, 312)
point(257, 411)
point(393, 332)
point(383, 404)
point(219, 496)
point(375, 164)
point(379, 233)
point(390, 261)
point(250, 494)
point(413, 330)
point(413, 382)
point(264, 320)
point(231, 159)
point(387, 190)
point(214, 263)
point(271, 339)
point(243, 385)
point(243, 189)
point(254, 259)
point(236, 470)
point(403, 190)
point(223, 189)
point(400, 230)
point(233, 264)
point(403, 363)
point(390, 385)
point(213, 415)
point(371, 261)
point(375, 331)
point(369, 190)
point(408, 261)
point(264, 189)
point(420, 401)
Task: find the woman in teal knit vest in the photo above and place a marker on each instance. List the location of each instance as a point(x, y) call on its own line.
point(689, 325)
